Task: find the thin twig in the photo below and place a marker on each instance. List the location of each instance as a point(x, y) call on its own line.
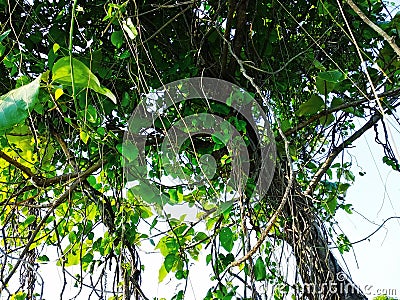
point(375, 231)
point(165, 25)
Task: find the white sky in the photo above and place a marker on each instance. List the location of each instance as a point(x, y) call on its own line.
point(376, 197)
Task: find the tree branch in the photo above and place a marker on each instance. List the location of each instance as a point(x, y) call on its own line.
point(376, 28)
point(337, 150)
point(240, 34)
point(16, 164)
point(57, 202)
point(376, 230)
point(37, 180)
point(335, 109)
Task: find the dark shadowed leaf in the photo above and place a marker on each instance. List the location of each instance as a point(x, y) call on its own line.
point(324, 87)
point(311, 106)
point(334, 76)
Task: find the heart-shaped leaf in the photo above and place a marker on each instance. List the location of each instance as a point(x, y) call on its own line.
point(226, 238)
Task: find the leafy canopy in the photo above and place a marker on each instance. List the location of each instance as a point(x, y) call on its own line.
point(73, 73)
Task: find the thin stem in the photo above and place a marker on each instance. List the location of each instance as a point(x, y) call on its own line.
point(71, 33)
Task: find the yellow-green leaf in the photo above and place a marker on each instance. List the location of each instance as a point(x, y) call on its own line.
point(56, 47)
point(82, 76)
point(58, 93)
point(84, 136)
point(73, 259)
point(162, 273)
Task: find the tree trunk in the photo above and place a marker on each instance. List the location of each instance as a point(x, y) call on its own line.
point(321, 275)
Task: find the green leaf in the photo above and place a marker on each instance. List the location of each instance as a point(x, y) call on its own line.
point(390, 162)
point(318, 65)
point(208, 258)
point(226, 238)
point(19, 296)
point(117, 38)
point(72, 237)
point(162, 273)
point(343, 187)
point(347, 208)
point(146, 192)
point(129, 150)
point(285, 125)
point(2, 50)
point(43, 258)
point(330, 205)
point(334, 76)
point(83, 77)
point(180, 274)
point(311, 106)
point(358, 112)
point(324, 87)
point(178, 296)
point(87, 258)
point(89, 114)
point(4, 34)
point(16, 104)
point(173, 195)
point(29, 220)
point(169, 261)
point(336, 102)
point(327, 120)
point(167, 245)
point(260, 269)
point(21, 81)
point(200, 236)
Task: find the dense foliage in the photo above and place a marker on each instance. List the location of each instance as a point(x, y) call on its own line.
point(73, 73)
